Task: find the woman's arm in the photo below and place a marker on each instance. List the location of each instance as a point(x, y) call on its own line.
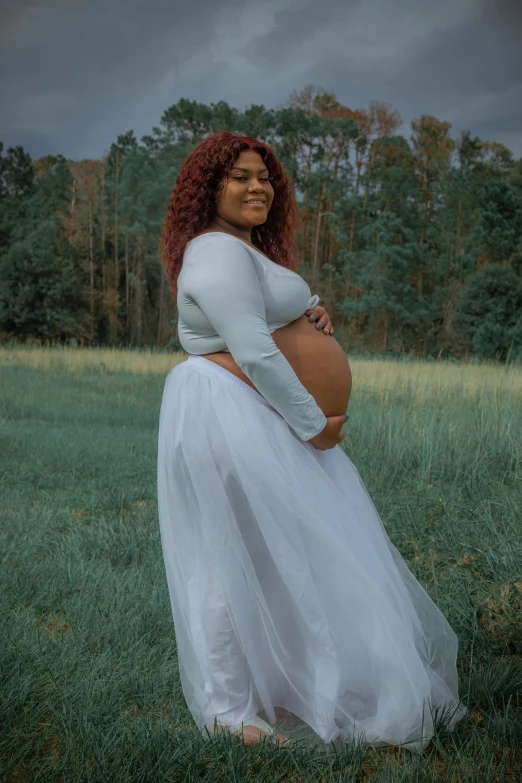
point(222, 279)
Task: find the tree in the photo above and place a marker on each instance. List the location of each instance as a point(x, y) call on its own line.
point(433, 147)
point(390, 230)
point(498, 231)
point(490, 312)
point(17, 184)
point(382, 272)
point(41, 290)
point(41, 293)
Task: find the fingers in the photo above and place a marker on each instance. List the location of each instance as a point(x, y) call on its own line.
point(340, 419)
point(316, 313)
point(323, 322)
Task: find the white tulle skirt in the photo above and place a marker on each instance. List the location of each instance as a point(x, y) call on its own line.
point(288, 598)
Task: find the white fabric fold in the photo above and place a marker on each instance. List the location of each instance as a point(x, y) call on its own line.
point(289, 600)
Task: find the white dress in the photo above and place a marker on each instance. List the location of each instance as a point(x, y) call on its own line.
point(289, 600)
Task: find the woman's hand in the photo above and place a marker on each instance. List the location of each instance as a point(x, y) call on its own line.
point(331, 435)
point(320, 317)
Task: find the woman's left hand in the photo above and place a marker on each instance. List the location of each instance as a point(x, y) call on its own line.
point(320, 318)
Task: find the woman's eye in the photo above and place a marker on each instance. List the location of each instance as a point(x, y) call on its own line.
point(261, 179)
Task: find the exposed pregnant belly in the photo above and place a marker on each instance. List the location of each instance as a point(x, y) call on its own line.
point(316, 358)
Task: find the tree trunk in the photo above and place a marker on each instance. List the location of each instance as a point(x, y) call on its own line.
point(127, 279)
point(368, 183)
point(104, 282)
point(325, 239)
point(116, 265)
point(132, 295)
point(73, 207)
point(139, 303)
point(91, 268)
point(424, 221)
point(306, 203)
point(316, 234)
point(358, 164)
point(160, 315)
point(115, 298)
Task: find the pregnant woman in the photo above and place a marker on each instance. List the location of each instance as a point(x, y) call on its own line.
point(294, 614)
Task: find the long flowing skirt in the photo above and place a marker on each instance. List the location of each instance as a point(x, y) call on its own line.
point(289, 600)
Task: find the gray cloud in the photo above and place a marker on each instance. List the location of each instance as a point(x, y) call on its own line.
point(76, 74)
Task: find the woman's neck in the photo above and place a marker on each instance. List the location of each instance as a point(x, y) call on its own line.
point(223, 225)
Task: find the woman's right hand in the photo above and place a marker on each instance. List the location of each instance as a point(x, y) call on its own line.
point(331, 435)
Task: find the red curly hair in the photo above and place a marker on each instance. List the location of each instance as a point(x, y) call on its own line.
point(192, 203)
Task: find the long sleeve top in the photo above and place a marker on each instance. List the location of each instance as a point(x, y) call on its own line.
point(231, 297)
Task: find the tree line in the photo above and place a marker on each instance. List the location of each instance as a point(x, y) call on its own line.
point(414, 245)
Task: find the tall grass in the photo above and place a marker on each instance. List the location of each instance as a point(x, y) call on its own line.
point(89, 681)
point(432, 378)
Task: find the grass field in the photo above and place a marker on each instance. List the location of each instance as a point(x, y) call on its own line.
point(89, 680)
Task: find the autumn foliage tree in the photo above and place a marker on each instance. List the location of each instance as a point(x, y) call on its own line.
point(393, 232)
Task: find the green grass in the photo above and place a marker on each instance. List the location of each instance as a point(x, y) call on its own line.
point(89, 680)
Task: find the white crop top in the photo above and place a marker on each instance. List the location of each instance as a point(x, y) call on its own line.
point(231, 297)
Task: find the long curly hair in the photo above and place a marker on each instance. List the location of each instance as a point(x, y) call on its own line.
point(192, 203)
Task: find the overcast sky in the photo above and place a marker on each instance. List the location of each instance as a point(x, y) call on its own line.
point(75, 74)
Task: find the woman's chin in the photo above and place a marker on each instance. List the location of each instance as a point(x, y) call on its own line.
point(260, 220)
point(255, 217)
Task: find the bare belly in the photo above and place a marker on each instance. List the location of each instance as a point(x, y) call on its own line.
point(316, 358)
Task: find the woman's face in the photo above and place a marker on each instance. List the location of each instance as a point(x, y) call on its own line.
point(246, 182)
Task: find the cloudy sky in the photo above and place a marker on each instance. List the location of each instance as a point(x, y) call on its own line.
point(74, 74)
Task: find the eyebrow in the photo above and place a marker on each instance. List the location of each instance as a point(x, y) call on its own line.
point(238, 168)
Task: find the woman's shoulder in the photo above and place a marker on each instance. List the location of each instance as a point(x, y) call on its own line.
point(211, 237)
point(208, 236)
point(208, 231)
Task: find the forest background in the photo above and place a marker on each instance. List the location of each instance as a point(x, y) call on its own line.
point(414, 245)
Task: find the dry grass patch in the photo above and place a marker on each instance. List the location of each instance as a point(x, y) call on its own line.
point(54, 626)
point(423, 379)
point(501, 612)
